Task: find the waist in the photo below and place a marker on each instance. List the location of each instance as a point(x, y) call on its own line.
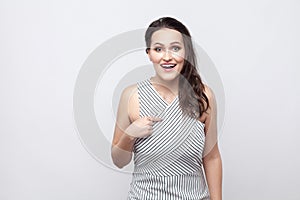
point(190, 186)
point(138, 175)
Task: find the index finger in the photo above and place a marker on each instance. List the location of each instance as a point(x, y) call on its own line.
point(155, 119)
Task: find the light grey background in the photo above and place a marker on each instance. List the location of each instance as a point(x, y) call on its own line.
point(254, 45)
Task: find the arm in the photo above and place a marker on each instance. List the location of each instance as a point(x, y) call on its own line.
point(213, 172)
point(129, 126)
point(212, 162)
point(122, 144)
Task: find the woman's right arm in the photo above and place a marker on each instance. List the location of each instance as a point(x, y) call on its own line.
point(122, 144)
point(129, 126)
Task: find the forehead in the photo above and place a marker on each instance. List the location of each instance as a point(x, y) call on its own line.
point(166, 36)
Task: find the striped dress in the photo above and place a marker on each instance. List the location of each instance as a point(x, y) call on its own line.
point(168, 163)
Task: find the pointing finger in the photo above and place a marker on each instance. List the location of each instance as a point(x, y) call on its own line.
point(155, 119)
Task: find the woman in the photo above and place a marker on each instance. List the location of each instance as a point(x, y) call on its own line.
point(169, 123)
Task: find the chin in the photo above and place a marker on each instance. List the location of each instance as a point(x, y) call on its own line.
point(169, 77)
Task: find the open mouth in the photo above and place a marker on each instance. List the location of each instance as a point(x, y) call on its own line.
point(168, 66)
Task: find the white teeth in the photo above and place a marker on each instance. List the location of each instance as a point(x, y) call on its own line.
point(169, 66)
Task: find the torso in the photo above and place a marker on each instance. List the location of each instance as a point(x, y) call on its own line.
point(169, 161)
point(133, 109)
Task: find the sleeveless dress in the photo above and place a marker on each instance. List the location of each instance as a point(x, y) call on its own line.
point(168, 163)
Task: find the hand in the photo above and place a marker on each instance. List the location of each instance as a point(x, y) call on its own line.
point(141, 127)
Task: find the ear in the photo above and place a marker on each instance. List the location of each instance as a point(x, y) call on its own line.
point(148, 53)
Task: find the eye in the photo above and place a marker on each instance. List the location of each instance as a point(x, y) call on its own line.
point(158, 49)
point(176, 48)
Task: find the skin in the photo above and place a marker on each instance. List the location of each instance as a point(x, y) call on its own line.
point(166, 47)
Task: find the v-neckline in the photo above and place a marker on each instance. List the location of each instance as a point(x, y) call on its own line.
point(157, 93)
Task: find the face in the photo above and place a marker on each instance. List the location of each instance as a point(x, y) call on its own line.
point(167, 53)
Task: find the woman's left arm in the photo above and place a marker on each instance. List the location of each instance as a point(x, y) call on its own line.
point(212, 164)
point(212, 161)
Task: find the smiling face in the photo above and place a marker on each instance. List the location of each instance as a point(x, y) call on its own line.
point(167, 53)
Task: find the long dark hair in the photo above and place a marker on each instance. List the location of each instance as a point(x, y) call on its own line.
point(192, 99)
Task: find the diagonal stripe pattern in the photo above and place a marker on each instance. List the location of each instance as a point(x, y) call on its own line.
point(168, 163)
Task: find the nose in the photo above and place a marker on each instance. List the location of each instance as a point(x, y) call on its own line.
point(167, 56)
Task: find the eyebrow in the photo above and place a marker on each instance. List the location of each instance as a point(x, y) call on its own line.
point(170, 43)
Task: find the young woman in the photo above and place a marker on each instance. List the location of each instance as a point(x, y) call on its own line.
point(168, 122)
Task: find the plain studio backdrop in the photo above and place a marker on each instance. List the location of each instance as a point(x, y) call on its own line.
point(253, 44)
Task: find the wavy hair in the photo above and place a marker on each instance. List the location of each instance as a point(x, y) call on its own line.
point(192, 99)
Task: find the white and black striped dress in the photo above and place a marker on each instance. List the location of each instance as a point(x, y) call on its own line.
point(168, 163)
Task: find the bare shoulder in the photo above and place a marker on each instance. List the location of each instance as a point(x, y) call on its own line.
point(209, 93)
point(129, 91)
point(129, 99)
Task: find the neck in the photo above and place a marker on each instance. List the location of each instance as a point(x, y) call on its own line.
point(171, 85)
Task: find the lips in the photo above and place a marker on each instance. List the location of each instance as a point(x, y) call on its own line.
point(168, 65)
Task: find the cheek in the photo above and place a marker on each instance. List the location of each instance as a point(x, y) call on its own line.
point(179, 59)
point(179, 56)
point(155, 57)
